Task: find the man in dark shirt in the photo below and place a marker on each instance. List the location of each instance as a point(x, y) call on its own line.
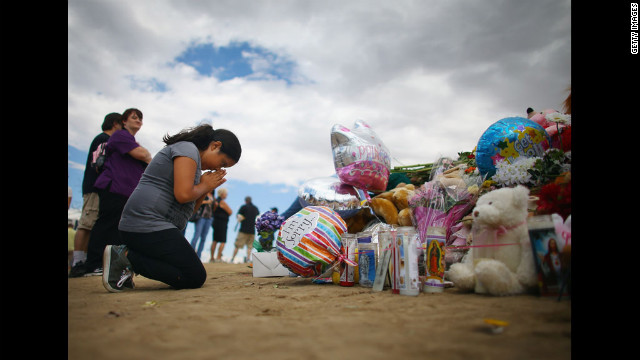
point(90, 200)
point(246, 235)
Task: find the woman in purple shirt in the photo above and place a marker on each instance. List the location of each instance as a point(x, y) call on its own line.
point(126, 161)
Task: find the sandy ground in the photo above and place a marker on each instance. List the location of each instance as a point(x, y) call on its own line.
point(237, 316)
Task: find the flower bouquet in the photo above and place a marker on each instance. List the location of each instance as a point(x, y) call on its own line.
point(555, 197)
point(266, 225)
point(444, 201)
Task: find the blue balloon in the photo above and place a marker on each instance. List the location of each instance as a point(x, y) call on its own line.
point(508, 139)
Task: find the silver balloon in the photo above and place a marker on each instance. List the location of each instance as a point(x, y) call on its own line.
point(332, 193)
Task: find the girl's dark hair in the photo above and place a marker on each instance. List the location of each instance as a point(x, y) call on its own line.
point(126, 113)
point(202, 135)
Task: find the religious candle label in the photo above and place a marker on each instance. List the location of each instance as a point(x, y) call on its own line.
point(434, 259)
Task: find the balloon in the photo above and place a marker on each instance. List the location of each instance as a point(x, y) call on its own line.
point(508, 139)
point(310, 240)
point(331, 192)
point(360, 157)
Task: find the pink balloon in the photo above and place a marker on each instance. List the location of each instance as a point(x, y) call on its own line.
point(360, 157)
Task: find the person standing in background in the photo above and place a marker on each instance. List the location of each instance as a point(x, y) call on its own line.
point(90, 200)
point(247, 232)
point(203, 224)
point(125, 163)
point(71, 234)
point(221, 215)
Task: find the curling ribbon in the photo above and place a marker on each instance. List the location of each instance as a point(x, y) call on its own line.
point(346, 259)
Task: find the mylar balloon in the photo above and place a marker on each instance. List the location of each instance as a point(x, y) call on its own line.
point(310, 240)
point(508, 139)
point(329, 191)
point(360, 157)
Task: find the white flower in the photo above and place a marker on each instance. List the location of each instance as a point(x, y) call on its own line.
point(508, 174)
point(559, 118)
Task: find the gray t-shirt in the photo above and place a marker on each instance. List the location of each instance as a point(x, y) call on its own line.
point(152, 205)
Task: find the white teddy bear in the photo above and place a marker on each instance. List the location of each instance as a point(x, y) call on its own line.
point(506, 266)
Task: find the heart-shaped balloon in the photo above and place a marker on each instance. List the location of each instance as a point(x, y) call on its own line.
point(360, 157)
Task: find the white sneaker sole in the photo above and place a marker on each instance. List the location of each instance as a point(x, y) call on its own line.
point(106, 262)
point(89, 274)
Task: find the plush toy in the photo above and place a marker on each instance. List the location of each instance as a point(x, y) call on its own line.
point(556, 131)
point(393, 205)
point(390, 207)
point(404, 217)
point(385, 208)
point(501, 261)
point(358, 222)
point(540, 117)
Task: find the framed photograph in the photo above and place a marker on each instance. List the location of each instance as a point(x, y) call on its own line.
point(552, 263)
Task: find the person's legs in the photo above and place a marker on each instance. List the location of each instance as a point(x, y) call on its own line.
point(243, 240)
point(81, 240)
point(213, 250)
point(105, 230)
point(88, 217)
point(220, 235)
point(214, 242)
point(220, 249)
point(203, 236)
point(198, 225)
point(165, 256)
point(235, 252)
point(249, 247)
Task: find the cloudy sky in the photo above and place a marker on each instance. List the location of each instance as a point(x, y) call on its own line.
point(428, 76)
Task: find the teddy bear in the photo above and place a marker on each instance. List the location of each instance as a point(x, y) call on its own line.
point(393, 205)
point(508, 268)
point(390, 207)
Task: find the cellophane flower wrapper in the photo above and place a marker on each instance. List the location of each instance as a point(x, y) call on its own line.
point(434, 204)
point(440, 166)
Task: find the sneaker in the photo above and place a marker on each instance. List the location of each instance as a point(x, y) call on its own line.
point(95, 272)
point(117, 275)
point(78, 270)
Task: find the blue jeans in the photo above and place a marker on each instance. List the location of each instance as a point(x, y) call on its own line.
point(201, 230)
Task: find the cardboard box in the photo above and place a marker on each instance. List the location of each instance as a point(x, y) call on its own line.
point(266, 264)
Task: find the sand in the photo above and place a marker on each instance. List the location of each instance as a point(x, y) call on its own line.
point(237, 316)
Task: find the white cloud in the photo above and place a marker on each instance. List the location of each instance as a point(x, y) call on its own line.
point(75, 165)
point(428, 76)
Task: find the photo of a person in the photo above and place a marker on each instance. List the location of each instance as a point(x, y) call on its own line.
point(551, 264)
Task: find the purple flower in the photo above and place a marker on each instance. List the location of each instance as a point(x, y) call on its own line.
point(268, 222)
